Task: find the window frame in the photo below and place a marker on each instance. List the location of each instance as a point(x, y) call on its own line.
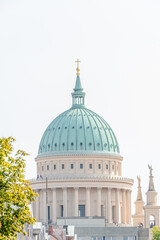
point(81, 166)
point(90, 166)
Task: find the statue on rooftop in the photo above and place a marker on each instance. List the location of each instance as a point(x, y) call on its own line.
point(151, 169)
point(139, 181)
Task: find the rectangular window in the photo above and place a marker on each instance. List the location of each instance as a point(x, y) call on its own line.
point(132, 238)
point(61, 210)
point(106, 166)
point(125, 238)
point(81, 210)
point(99, 166)
point(102, 210)
point(113, 213)
point(99, 238)
point(54, 166)
point(72, 166)
point(62, 166)
point(49, 214)
point(47, 167)
point(42, 168)
point(90, 165)
point(112, 167)
point(93, 238)
point(81, 165)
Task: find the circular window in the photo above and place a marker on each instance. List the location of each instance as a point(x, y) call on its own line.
point(72, 143)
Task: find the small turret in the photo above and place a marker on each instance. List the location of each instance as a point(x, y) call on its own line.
point(151, 193)
point(151, 210)
point(138, 217)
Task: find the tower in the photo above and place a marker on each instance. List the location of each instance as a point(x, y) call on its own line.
point(138, 217)
point(151, 210)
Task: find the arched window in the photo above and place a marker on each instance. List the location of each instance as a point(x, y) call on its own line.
point(152, 221)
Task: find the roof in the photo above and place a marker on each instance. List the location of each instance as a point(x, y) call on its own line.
point(78, 130)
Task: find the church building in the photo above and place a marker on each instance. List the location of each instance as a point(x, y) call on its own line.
point(79, 156)
point(79, 178)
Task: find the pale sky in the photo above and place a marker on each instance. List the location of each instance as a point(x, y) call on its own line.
point(118, 43)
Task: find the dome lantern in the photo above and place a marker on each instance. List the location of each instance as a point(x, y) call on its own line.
point(78, 94)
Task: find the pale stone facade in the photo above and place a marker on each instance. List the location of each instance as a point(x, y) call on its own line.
point(100, 190)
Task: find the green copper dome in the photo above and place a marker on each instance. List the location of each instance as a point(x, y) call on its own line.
point(78, 131)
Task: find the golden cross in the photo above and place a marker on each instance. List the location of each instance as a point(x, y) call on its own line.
point(78, 67)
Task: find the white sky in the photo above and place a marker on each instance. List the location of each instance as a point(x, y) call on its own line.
point(118, 43)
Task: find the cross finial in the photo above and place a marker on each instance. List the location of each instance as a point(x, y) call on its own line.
point(78, 67)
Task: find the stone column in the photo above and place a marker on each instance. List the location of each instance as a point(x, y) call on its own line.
point(44, 205)
point(106, 211)
point(88, 202)
point(64, 202)
point(123, 206)
point(128, 206)
point(99, 202)
point(76, 202)
point(54, 205)
point(109, 205)
point(117, 206)
point(37, 207)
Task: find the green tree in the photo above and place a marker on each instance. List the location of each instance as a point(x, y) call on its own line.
point(15, 192)
point(156, 233)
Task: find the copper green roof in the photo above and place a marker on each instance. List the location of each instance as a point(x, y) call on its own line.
point(78, 131)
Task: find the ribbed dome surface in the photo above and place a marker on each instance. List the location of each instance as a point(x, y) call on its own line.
point(78, 129)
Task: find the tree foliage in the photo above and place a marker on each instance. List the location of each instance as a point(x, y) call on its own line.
point(156, 233)
point(15, 192)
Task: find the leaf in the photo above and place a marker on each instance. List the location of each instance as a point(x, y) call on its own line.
point(15, 193)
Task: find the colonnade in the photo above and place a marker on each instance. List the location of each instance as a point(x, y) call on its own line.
point(121, 208)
